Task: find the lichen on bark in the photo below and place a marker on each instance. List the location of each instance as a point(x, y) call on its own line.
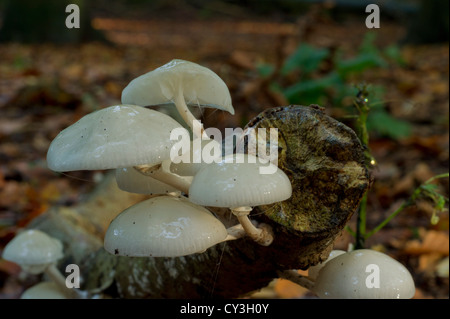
point(322, 157)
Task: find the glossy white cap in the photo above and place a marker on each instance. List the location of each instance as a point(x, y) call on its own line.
point(113, 137)
point(364, 274)
point(236, 181)
point(163, 226)
point(201, 153)
point(43, 290)
point(130, 180)
point(313, 271)
point(198, 84)
point(33, 250)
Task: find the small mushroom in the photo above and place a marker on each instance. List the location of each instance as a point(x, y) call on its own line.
point(236, 182)
point(33, 250)
point(43, 290)
point(313, 271)
point(189, 164)
point(182, 83)
point(163, 226)
point(346, 277)
point(131, 180)
point(116, 137)
point(36, 252)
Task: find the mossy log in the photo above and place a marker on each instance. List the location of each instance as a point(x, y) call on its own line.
point(323, 159)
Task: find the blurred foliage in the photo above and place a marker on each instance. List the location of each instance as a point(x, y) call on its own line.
point(40, 21)
point(323, 76)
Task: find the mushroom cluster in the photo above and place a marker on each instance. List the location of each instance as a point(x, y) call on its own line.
point(176, 218)
point(140, 144)
point(357, 274)
point(37, 253)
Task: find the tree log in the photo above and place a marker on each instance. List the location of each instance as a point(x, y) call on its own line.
point(324, 160)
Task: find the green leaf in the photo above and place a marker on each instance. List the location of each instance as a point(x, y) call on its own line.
point(440, 203)
point(306, 59)
point(359, 64)
point(265, 70)
point(368, 44)
point(394, 53)
point(384, 124)
point(310, 91)
point(430, 188)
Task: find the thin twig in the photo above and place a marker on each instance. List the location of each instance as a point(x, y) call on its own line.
point(295, 277)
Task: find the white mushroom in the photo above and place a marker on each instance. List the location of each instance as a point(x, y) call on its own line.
point(116, 137)
point(163, 226)
point(313, 271)
point(202, 152)
point(33, 250)
point(43, 290)
point(364, 274)
point(180, 82)
point(113, 137)
point(131, 180)
point(236, 182)
point(36, 252)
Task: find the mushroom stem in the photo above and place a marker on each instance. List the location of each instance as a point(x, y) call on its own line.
point(295, 277)
point(235, 232)
point(182, 108)
point(262, 235)
point(53, 273)
point(162, 173)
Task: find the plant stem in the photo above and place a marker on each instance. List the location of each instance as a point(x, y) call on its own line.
point(389, 218)
point(295, 277)
point(361, 224)
point(443, 175)
point(363, 109)
point(411, 201)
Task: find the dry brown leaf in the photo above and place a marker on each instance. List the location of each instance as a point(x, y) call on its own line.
point(287, 289)
point(404, 185)
point(242, 59)
point(432, 241)
point(9, 268)
point(420, 294)
point(422, 172)
point(428, 262)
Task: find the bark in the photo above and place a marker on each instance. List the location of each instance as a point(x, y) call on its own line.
point(325, 162)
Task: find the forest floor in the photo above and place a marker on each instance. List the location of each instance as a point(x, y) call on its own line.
point(45, 88)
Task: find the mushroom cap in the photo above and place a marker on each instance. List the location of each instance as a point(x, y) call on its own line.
point(164, 226)
point(130, 180)
point(198, 84)
point(313, 271)
point(236, 181)
point(33, 250)
point(345, 276)
point(196, 159)
point(113, 137)
point(43, 290)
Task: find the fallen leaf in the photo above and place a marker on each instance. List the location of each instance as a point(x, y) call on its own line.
point(432, 241)
point(287, 289)
point(428, 262)
point(422, 172)
point(242, 60)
